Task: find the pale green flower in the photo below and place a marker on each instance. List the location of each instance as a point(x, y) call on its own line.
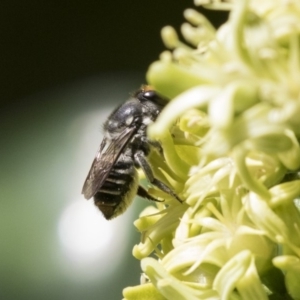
point(230, 139)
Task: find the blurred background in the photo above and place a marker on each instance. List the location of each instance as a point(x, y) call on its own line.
point(64, 66)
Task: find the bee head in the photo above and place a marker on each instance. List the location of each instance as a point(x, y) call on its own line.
point(147, 93)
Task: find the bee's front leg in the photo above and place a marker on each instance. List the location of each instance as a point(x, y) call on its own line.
point(154, 144)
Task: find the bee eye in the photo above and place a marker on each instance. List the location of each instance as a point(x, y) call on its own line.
point(150, 95)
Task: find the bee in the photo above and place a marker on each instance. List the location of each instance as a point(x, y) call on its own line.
point(113, 178)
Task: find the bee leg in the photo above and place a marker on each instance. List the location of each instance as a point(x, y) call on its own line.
point(155, 144)
point(139, 158)
point(144, 194)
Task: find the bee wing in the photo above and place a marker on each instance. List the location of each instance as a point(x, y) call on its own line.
point(106, 156)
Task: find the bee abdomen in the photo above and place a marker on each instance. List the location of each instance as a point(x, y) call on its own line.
point(118, 190)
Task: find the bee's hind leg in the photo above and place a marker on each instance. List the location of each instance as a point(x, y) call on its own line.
point(139, 158)
point(144, 194)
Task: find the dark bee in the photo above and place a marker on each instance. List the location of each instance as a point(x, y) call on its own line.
point(113, 178)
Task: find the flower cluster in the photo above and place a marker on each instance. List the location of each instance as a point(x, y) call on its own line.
point(230, 143)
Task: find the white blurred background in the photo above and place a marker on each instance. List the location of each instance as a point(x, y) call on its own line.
point(55, 244)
